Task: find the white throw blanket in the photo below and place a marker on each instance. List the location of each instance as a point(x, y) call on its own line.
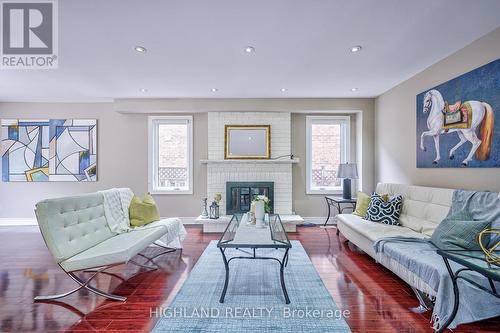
point(116, 209)
point(116, 205)
point(175, 235)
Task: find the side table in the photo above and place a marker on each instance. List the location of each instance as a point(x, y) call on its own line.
point(336, 202)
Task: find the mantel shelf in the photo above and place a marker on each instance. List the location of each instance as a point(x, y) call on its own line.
point(281, 161)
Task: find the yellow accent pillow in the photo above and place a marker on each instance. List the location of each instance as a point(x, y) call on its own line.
point(363, 201)
point(142, 212)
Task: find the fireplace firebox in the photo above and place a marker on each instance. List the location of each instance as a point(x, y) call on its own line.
point(239, 195)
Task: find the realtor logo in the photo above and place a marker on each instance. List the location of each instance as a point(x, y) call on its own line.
point(29, 34)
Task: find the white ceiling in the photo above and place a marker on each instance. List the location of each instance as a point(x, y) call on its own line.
point(194, 46)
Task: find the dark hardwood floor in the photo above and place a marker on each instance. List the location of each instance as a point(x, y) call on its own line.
point(377, 299)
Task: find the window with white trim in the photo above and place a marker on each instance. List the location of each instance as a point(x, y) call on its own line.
point(171, 154)
point(328, 145)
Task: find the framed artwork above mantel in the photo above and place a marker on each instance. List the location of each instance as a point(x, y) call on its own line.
point(247, 142)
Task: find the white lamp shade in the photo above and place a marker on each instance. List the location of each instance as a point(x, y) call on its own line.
point(347, 170)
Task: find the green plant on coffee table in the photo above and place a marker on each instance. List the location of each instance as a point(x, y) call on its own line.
point(267, 206)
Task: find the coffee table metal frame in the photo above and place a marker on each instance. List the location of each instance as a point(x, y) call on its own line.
point(278, 236)
point(471, 261)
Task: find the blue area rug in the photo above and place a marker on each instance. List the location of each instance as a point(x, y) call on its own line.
point(254, 300)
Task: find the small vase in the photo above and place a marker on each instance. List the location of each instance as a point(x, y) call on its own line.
point(259, 214)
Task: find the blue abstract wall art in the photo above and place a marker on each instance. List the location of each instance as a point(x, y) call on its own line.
point(49, 150)
point(458, 122)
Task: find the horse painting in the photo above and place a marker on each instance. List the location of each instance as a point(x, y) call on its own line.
point(477, 129)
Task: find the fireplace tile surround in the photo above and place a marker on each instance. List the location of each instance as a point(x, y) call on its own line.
point(218, 174)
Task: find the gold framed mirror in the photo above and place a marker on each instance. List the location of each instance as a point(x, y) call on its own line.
point(242, 142)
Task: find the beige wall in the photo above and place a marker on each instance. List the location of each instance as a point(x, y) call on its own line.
point(395, 124)
point(305, 205)
point(362, 149)
point(122, 159)
point(311, 205)
point(122, 150)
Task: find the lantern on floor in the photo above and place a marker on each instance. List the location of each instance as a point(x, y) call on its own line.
point(214, 210)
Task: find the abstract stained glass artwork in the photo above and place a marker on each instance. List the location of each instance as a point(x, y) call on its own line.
point(49, 150)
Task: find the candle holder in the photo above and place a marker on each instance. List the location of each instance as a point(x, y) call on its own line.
point(204, 214)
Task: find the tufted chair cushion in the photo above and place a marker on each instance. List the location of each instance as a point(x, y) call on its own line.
point(73, 224)
point(423, 207)
point(118, 249)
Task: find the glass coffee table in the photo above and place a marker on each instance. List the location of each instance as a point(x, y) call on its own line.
point(240, 235)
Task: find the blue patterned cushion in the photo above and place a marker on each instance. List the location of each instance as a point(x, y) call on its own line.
point(386, 212)
point(458, 231)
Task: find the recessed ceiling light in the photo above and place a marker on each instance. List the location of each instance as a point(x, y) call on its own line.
point(140, 49)
point(143, 90)
point(283, 89)
point(354, 89)
point(356, 48)
point(214, 90)
point(249, 49)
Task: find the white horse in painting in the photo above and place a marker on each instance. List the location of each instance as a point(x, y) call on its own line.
point(482, 116)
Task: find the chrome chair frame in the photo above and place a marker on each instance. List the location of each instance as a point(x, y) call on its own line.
point(99, 270)
point(102, 270)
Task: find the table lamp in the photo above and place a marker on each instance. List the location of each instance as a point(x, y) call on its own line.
point(347, 171)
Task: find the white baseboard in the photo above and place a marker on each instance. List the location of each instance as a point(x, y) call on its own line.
point(4, 221)
point(314, 220)
point(190, 220)
point(7, 221)
point(318, 219)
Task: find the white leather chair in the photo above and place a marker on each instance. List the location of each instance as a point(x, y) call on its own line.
point(77, 235)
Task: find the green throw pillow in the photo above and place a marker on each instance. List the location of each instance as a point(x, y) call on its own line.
point(362, 203)
point(144, 211)
point(458, 232)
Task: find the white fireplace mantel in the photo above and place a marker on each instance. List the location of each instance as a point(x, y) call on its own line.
point(282, 161)
point(279, 171)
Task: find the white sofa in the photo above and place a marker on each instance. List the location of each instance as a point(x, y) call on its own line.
point(423, 209)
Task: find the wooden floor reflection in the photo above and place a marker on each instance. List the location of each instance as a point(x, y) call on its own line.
point(377, 300)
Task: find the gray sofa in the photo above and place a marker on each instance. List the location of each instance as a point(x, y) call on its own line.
point(77, 234)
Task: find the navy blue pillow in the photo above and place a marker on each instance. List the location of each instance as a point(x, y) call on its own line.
point(381, 211)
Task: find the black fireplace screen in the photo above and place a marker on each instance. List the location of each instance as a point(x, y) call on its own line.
point(239, 195)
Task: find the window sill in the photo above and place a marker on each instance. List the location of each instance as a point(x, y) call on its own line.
point(157, 192)
point(332, 191)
